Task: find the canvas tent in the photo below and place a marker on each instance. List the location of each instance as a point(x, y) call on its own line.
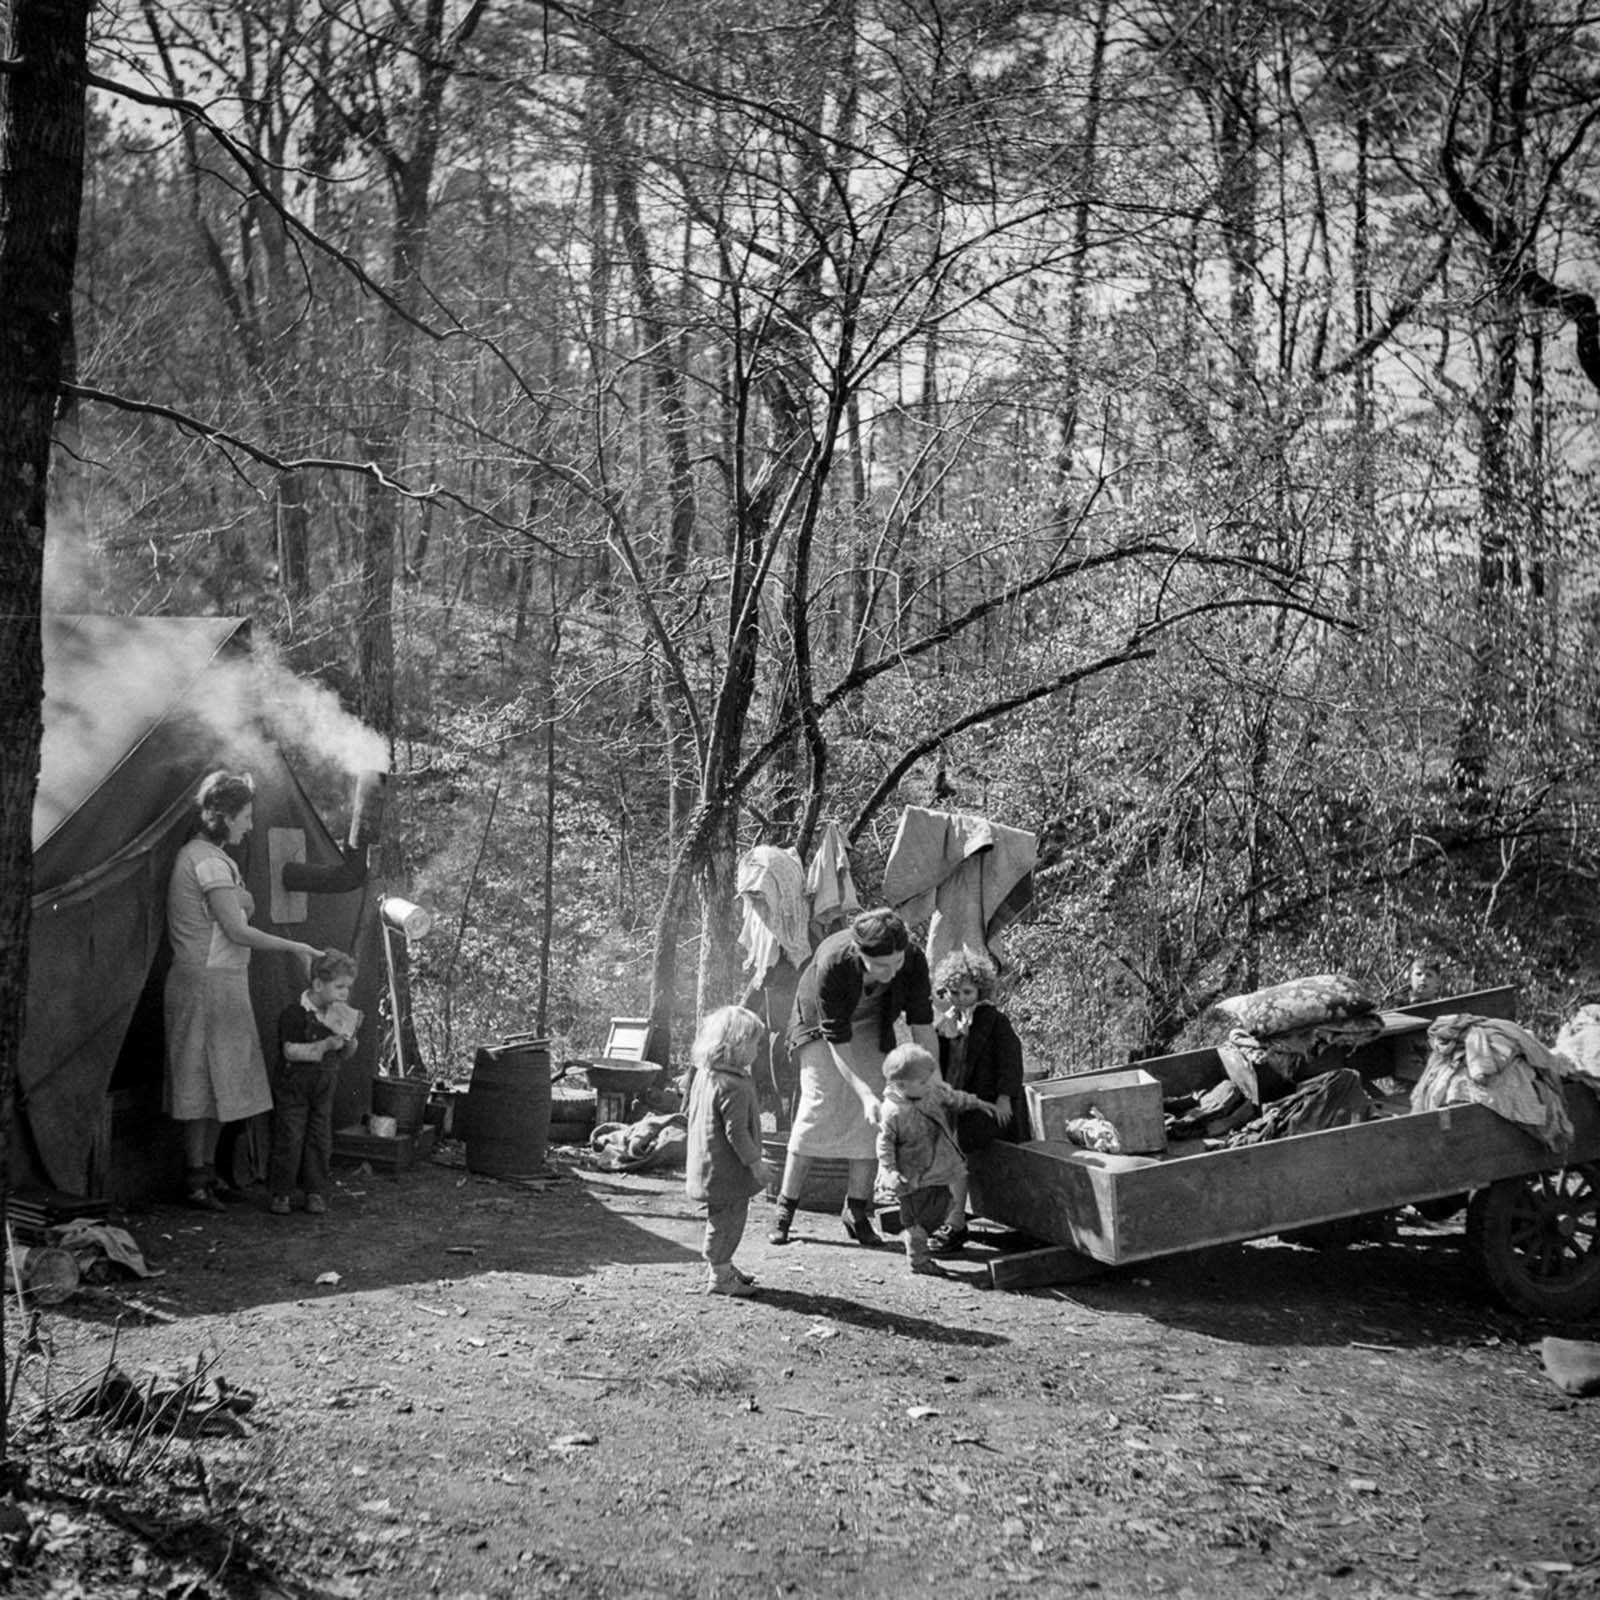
point(137, 711)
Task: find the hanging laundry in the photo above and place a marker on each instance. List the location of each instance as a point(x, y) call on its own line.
point(829, 887)
point(966, 876)
point(770, 888)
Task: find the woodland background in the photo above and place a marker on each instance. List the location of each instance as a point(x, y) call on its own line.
point(1167, 426)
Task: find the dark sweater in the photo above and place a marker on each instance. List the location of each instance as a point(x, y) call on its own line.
point(830, 990)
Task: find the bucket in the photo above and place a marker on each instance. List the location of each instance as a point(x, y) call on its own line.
point(826, 1183)
point(44, 1273)
point(404, 1099)
point(618, 1086)
point(508, 1108)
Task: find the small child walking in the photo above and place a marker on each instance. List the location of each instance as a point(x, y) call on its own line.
point(724, 1161)
point(917, 1149)
point(315, 1033)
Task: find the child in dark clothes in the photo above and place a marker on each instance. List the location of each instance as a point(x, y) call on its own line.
point(315, 1033)
point(979, 1052)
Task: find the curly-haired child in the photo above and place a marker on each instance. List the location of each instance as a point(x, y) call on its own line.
point(724, 1161)
point(979, 1052)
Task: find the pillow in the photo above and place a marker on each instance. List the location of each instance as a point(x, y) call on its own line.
point(1299, 1003)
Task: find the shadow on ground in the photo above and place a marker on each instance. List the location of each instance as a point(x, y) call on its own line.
point(1419, 1290)
point(435, 1222)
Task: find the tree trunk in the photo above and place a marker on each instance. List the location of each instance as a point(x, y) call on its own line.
point(41, 185)
point(1078, 278)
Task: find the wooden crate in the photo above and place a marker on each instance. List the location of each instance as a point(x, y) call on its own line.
point(1128, 1098)
point(399, 1154)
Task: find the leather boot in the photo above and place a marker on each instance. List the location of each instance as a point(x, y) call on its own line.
point(780, 1224)
point(857, 1221)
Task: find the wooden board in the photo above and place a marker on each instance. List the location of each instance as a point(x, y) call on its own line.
point(1127, 1208)
point(1038, 1269)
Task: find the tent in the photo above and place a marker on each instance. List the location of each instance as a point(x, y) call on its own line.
point(137, 710)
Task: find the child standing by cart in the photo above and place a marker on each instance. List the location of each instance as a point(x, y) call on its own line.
point(917, 1149)
point(315, 1033)
point(724, 1162)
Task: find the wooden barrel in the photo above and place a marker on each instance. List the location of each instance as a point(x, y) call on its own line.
point(508, 1109)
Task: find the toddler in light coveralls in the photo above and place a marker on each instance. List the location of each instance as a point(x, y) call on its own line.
point(917, 1149)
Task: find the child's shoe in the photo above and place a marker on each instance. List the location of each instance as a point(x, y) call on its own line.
point(727, 1279)
point(316, 1205)
point(929, 1269)
point(948, 1241)
point(279, 1205)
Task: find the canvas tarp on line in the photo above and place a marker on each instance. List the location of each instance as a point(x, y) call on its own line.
point(123, 753)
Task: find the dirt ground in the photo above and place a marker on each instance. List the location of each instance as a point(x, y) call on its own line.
point(517, 1389)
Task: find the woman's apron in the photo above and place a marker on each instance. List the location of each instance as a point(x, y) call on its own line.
point(828, 1121)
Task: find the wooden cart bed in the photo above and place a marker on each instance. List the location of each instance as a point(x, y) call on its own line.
point(1116, 1209)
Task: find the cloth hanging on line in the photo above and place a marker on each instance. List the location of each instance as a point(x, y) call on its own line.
point(771, 887)
point(967, 876)
point(830, 889)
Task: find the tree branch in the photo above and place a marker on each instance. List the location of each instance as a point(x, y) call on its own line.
point(226, 440)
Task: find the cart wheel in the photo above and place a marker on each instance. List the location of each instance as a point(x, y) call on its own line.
point(1537, 1241)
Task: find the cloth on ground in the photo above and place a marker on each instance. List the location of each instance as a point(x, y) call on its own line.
point(1579, 1042)
point(1299, 1003)
point(771, 890)
point(1572, 1365)
point(1332, 1100)
point(1490, 1062)
point(81, 1236)
point(830, 889)
point(1266, 1069)
point(967, 876)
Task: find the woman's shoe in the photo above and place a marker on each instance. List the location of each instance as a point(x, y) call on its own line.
point(198, 1193)
point(780, 1224)
point(858, 1224)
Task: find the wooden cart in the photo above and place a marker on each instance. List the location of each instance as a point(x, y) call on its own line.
point(1531, 1217)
